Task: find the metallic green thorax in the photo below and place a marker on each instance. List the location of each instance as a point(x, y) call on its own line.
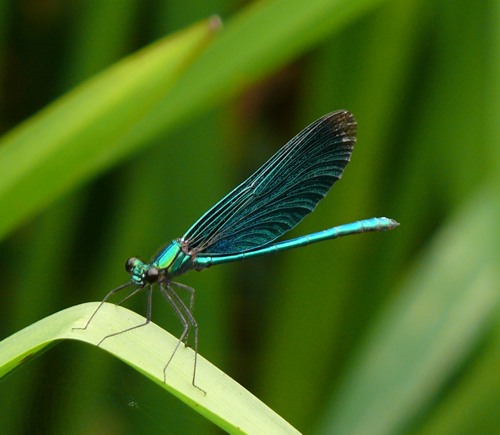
point(173, 260)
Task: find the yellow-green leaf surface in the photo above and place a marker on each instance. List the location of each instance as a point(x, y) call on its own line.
point(147, 349)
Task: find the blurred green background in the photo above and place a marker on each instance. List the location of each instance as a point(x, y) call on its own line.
point(384, 333)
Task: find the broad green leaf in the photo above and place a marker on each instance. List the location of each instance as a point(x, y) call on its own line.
point(147, 349)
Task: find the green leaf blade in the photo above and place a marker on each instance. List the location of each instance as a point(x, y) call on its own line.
point(147, 349)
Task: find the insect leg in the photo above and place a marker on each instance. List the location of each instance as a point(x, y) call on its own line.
point(148, 317)
point(111, 293)
point(188, 321)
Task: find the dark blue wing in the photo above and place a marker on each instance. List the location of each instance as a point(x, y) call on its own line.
point(280, 193)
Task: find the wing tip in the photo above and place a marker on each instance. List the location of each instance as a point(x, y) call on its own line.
point(344, 124)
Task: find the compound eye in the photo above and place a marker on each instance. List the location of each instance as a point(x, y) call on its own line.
point(152, 275)
point(129, 265)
